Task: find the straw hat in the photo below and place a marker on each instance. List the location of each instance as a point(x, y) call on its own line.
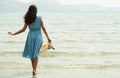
point(45, 46)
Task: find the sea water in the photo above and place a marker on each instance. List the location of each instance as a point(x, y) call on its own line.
point(87, 45)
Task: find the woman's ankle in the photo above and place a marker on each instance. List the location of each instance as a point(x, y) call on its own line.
point(34, 72)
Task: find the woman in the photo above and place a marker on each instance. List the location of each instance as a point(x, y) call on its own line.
point(34, 38)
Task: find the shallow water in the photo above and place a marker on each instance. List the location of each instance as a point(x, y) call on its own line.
point(61, 64)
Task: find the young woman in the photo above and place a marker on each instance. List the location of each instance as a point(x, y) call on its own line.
point(34, 38)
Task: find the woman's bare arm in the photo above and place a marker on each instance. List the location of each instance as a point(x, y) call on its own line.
point(20, 31)
point(45, 31)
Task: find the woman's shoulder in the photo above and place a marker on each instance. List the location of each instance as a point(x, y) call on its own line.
point(39, 17)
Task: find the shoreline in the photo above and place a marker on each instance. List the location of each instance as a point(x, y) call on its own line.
point(58, 73)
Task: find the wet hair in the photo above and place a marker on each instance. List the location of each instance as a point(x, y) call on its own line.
point(30, 16)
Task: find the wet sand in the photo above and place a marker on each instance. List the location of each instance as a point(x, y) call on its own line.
point(60, 73)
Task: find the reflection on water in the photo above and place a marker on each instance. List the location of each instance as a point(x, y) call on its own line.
point(33, 76)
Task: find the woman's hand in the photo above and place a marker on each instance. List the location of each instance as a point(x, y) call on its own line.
point(10, 33)
point(49, 40)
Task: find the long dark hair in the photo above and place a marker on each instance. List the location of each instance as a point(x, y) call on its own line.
point(30, 16)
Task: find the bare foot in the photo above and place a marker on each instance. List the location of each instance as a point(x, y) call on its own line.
point(34, 73)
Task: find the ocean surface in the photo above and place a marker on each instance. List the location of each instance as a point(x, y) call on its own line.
point(87, 46)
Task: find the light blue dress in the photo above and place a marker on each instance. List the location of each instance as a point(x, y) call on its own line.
point(34, 40)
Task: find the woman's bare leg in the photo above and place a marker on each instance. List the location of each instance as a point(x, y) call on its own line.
point(34, 65)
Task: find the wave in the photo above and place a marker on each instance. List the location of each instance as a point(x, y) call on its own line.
point(55, 66)
point(73, 54)
point(62, 60)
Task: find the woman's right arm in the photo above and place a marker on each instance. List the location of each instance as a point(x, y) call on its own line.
point(20, 31)
point(45, 31)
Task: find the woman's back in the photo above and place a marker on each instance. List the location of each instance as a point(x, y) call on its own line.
point(36, 25)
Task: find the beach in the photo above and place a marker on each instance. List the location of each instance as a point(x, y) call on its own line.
point(56, 66)
point(58, 73)
point(87, 46)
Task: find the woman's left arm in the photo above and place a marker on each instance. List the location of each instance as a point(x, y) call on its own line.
point(20, 31)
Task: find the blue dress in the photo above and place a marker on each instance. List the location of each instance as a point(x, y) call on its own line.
point(34, 40)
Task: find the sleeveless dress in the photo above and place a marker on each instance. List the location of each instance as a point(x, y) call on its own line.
point(34, 40)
